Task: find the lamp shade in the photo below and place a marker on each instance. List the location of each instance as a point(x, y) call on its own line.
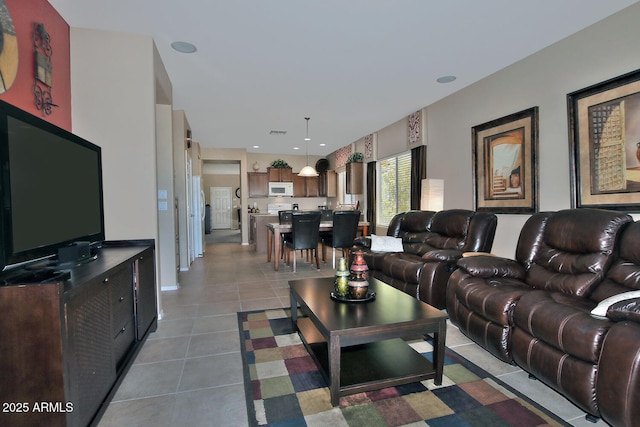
point(308, 171)
point(432, 195)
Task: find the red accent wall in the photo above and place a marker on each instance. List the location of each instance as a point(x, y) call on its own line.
point(24, 14)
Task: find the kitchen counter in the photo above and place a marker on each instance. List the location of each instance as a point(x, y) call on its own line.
point(258, 230)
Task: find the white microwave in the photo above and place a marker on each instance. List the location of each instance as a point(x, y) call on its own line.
point(277, 189)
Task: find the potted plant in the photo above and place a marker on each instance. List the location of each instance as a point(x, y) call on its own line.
point(356, 157)
point(279, 164)
point(354, 169)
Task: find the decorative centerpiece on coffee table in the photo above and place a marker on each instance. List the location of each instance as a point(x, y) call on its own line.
point(341, 289)
point(352, 285)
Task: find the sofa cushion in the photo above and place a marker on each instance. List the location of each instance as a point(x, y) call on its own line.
point(449, 229)
point(403, 266)
point(386, 244)
point(563, 322)
point(578, 245)
point(624, 274)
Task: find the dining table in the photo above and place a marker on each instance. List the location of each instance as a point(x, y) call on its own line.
point(275, 229)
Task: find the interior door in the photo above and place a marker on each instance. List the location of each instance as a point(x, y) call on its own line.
point(220, 207)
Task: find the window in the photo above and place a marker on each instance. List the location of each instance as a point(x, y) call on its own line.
point(394, 187)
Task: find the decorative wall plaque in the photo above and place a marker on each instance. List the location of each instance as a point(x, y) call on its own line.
point(414, 129)
point(369, 148)
point(43, 81)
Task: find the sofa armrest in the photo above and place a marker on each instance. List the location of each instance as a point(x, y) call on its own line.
point(362, 241)
point(487, 266)
point(443, 255)
point(625, 310)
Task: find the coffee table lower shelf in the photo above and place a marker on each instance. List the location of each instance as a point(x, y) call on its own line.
point(370, 366)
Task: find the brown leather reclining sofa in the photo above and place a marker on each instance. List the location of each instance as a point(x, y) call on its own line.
point(432, 243)
point(536, 310)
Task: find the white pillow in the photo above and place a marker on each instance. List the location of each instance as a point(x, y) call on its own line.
point(603, 306)
point(386, 244)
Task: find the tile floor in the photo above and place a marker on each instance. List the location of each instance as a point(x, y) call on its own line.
point(189, 372)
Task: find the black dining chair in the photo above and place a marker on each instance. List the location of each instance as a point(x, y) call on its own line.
point(345, 228)
point(305, 234)
point(284, 217)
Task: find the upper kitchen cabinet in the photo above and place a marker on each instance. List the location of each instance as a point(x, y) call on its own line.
point(258, 184)
point(327, 184)
point(354, 173)
point(305, 186)
point(279, 174)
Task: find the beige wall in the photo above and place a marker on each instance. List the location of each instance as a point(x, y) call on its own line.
point(600, 52)
point(107, 69)
point(117, 80)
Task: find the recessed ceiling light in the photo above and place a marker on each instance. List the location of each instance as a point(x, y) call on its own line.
point(183, 47)
point(256, 146)
point(445, 79)
point(296, 148)
point(323, 145)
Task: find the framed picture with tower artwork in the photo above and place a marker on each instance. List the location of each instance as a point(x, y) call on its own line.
point(604, 144)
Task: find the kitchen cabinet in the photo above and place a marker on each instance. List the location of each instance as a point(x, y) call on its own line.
point(279, 174)
point(69, 336)
point(328, 184)
point(305, 186)
point(258, 184)
point(354, 172)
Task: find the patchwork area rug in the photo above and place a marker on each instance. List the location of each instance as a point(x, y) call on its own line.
point(285, 388)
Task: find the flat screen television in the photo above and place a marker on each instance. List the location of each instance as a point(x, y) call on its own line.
point(50, 187)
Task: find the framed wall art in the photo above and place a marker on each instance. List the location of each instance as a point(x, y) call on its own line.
point(604, 144)
point(505, 169)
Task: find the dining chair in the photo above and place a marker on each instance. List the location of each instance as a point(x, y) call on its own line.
point(345, 228)
point(284, 217)
point(305, 234)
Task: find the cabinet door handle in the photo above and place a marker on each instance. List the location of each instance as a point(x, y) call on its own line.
point(124, 328)
point(121, 299)
point(105, 280)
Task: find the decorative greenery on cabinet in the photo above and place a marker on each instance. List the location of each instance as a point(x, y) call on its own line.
point(356, 157)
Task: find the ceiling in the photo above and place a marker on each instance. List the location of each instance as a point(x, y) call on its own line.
point(353, 67)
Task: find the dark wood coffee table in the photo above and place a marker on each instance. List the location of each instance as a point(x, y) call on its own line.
point(359, 346)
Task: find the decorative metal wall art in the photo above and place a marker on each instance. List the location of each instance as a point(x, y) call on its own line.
point(43, 81)
point(414, 130)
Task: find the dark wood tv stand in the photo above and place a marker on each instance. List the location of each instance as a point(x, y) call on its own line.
point(67, 343)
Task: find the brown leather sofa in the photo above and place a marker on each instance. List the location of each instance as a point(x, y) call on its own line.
point(535, 310)
point(432, 243)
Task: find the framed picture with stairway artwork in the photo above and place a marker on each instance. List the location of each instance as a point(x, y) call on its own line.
point(505, 169)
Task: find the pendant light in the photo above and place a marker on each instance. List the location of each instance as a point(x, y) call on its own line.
point(308, 170)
